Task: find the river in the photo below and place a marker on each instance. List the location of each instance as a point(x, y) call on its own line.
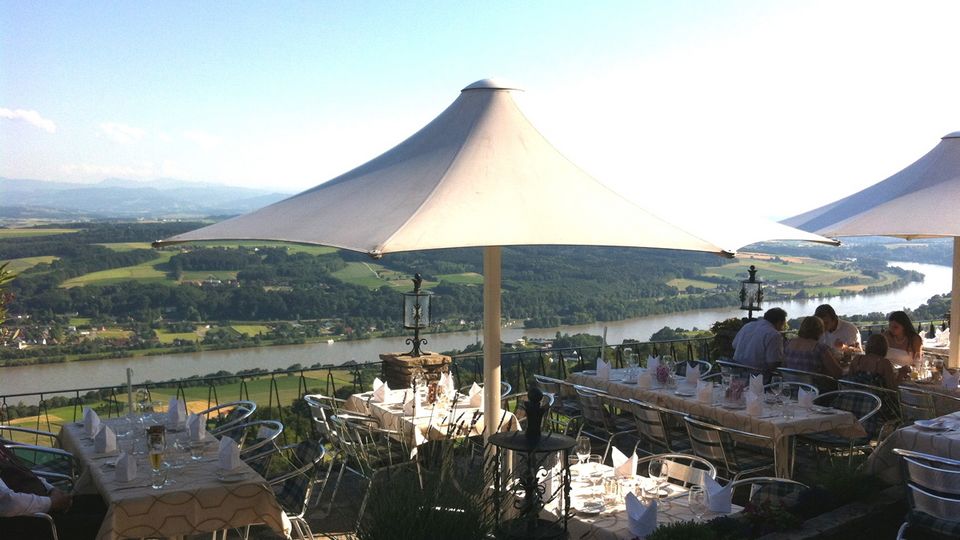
point(29, 379)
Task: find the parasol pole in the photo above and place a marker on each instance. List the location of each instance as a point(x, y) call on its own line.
point(491, 339)
point(954, 359)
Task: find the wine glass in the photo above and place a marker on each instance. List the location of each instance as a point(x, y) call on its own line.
point(697, 501)
point(658, 470)
point(583, 449)
point(776, 384)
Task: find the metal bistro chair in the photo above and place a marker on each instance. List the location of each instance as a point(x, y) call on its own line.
point(916, 404)
point(768, 489)
point(548, 423)
point(597, 422)
point(889, 416)
point(737, 369)
point(505, 389)
point(824, 383)
point(566, 409)
point(660, 427)
point(4, 523)
point(864, 406)
point(792, 388)
point(254, 437)
point(54, 465)
point(705, 367)
point(682, 469)
point(728, 450)
point(933, 495)
point(227, 415)
point(9, 434)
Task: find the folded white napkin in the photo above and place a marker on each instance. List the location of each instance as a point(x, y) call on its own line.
point(476, 395)
point(805, 398)
point(380, 391)
point(411, 405)
point(126, 467)
point(603, 370)
point(105, 442)
point(176, 412)
point(950, 381)
point(196, 427)
point(91, 421)
point(451, 385)
point(623, 466)
point(645, 379)
point(756, 384)
point(704, 392)
point(653, 362)
point(641, 519)
point(693, 374)
point(229, 454)
point(377, 383)
point(754, 404)
point(718, 497)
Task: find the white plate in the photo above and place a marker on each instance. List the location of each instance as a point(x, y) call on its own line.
point(591, 508)
point(931, 425)
point(229, 477)
point(823, 410)
point(625, 381)
point(733, 407)
point(685, 393)
point(589, 372)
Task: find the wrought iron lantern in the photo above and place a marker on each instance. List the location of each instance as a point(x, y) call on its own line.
point(751, 293)
point(416, 314)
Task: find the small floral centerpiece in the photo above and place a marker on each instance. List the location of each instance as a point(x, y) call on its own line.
point(735, 391)
point(663, 374)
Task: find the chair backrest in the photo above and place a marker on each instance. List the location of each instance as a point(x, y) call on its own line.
point(320, 411)
point(824, 383)
point(863, 405)
point(652, 421)
point(791, 389)
point(889, 399)
point(227, 415)
point(505, 389)
point(549, 385)
point(933, 484)
point(711, 443)
point(255, 437)
point(297, 484)
point(916, 404)
point(767, 489)
point(682, 469)
point(591, 406)
point(737, 369)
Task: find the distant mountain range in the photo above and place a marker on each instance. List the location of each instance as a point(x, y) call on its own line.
point(121, 198)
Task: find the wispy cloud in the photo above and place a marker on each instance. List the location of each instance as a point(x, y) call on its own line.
point(121, 133)
point(31, 117)
point(202, 138)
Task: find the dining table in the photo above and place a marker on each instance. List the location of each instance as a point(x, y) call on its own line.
point(609, 520)
point(429, 422)
point(771, 422)
point(938, 437)
point(198, 497)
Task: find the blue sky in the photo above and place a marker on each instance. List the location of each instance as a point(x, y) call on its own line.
point(808, 100)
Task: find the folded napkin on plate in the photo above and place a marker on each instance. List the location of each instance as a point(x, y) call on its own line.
point(91, 421)
point(805, 398)
point(380, 391)
point(704, 392)
point(653, 362)
point(126, 467)
point(411, 405)
point(623, 466)
point(603, 370)
point(756, 384)
point(176, 412)
point(718, 497)
point(645, 379)
point(949, 380)
point(641, 518)
point(693, 374)
point(196, 427)
point(105, 442)
point(446, 382)
point(377, 383)
point(476, 395)
point(754, 404)
point(229, 454)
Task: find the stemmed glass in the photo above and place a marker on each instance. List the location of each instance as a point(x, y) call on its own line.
point(659, 471)
point(583, 449)
point(776, 384)
point(697, 501)
point(156, 463)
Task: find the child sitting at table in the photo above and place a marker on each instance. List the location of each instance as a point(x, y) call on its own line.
point(873, 367)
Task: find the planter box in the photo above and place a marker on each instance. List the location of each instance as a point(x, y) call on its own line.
point(398, 368)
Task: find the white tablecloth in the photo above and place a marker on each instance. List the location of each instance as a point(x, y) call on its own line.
point(778, 428)
point(196, 501)
point(885, 464)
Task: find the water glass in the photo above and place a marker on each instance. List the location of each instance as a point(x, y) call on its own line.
point(158, 478)
point(788, 411)
point(611, 491)
point(196, 451)
point(697, 501)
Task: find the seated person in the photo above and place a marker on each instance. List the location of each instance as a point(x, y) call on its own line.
point(805, 352)
point(905, 346)
point(841, 335)
point(872, 367)
point(23, 493)
point(759, 344)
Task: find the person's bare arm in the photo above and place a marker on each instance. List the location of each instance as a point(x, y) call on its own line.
point(830, 365)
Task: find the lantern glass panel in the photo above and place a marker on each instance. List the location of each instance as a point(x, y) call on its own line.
point(410, 301)
point(751, 301)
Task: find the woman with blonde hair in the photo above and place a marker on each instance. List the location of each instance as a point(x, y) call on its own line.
point(805, 352)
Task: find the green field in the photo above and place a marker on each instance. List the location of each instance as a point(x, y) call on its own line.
point(146, 272)
point(168, 337)
point(809, 272)
point(79, 321)
point(113, 333)
point(251, 329)
point(374, 276)
point(683, 283)
point(19, 265)
point(201, 275)
point(466, 278)
point(292, 248)
point(126, 246)
point(25, 233)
